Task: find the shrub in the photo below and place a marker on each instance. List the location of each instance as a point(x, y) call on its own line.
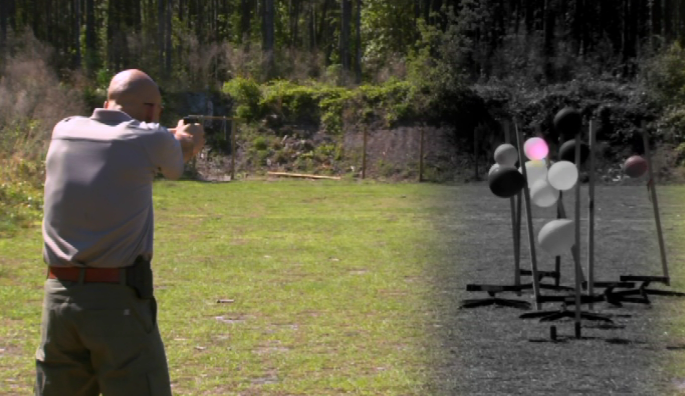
point(248, 95)
point(665, 76)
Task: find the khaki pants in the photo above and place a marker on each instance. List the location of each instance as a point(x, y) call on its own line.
point(99, 338)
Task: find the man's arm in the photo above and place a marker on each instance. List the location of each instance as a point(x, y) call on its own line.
point(191, 137)
point(169, 149)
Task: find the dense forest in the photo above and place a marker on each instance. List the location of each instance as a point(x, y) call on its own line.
point(193, 38)
point(306, 77)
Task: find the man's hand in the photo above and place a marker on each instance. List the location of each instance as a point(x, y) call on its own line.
point(191, 137)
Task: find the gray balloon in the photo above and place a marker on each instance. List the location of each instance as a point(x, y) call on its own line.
point(506, 155)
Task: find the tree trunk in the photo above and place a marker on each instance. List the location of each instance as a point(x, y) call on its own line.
point(77, 33)
point(167, 36)
point(245, 21)
point(312, 28)
point(345, 19)
point(656, 22)
point(161, 23)
point(578, 27)
point(91, 51)
point(268, 35)
point(358, 43)
point(550, 22)
point(295, 23)
point(4, 17)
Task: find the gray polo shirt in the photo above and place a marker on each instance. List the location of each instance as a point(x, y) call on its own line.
point(98, 188)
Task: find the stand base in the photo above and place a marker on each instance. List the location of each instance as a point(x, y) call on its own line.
point(492, 291)
point(617, 297)
point(503, 302)
point(548, 316)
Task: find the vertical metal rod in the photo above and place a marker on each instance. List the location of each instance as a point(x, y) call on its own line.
point(655, 204)
point(591, 217)
point(577, 245)
point(514, 221)
point(529, 218)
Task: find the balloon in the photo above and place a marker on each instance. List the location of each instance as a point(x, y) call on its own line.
point(506, 154)
point(567, 152)
point(557, 236)
point(543, 194)
point(492, 169)
point(506, 181)
point(635, 166)
point(535, 148)
point(563, 175)
point(568, 122)
point(535, 170)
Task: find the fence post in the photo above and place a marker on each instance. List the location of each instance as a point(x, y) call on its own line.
point(364, 129)
point(421, 139)
point(233, 149)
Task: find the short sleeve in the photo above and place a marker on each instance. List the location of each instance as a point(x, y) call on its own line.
point(165, 153)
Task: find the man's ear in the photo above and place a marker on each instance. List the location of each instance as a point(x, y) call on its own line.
point(104, 106)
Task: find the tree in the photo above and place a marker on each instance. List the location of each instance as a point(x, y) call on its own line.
point(268, 34)
point(358, 43)
point(345, 20)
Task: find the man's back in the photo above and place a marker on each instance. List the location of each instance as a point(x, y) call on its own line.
point(98, 190)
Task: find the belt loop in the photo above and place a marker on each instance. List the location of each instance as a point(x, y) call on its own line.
point(122, 276)
point(81, 275)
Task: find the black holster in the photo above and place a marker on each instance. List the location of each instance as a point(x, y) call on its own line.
point(139, 277)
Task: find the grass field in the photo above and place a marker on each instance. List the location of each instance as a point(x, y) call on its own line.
point(346, 288)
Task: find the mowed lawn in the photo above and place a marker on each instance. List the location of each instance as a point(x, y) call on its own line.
point(323, 287)
point(331, 288)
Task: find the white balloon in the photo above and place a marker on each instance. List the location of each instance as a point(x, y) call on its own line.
point(557, 236)
point(493, 168)
point(535, 170)
point(563, 175)
point(506, 154)
point(542, 194)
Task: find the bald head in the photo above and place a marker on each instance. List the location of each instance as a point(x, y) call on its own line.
point(136, 94)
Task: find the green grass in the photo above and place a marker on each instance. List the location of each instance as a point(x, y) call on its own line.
point(354, 288)
point(327, 282)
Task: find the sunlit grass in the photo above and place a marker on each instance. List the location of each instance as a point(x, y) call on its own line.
point(325, 281)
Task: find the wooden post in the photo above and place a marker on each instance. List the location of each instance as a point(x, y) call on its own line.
point(529, 218)
point(591, 217)
point(421, 154)
point(364, 131)
point(233, 148)
point(651, 184)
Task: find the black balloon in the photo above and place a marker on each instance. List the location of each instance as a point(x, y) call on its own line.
point(506, 181)
point(568, 122)
point(567, 152)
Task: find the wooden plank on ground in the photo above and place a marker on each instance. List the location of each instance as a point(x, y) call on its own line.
point(302, 175)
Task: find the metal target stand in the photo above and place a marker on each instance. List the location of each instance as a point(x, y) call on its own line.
point(537, 276)
point(643, 290)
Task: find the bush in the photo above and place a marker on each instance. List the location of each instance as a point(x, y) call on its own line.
point(32, 101)
point(248, 95)
point(665, 76)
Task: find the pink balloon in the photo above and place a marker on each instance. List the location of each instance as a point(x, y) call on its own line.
point(536, 148)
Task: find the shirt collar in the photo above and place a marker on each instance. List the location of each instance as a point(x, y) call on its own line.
point(106, 115)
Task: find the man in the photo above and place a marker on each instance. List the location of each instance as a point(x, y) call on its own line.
point(99, 330)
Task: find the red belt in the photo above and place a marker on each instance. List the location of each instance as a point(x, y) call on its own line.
point(107, 275)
